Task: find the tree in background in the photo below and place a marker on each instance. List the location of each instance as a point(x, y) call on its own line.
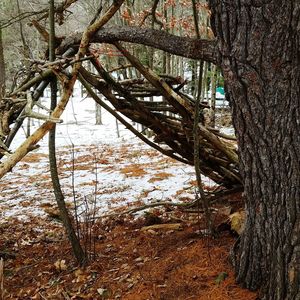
point(2, 66)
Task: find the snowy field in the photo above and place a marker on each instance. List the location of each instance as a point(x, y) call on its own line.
point(117, 172)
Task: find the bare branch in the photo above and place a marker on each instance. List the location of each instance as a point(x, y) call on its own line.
point(125, 123)
point(144, 207)
point(28, 112)
point(181, 46)
point(44, 12)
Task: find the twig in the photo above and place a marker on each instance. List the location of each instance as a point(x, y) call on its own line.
point(198, 171)
point(68, 61)
point(153, 14)
point(93, 255)
point(28, 112)
point(120, 68)
point(96, 15)
point(42, 296)
point(196, 22)
point(27, 14)
point(74, 193)
point(215, 197)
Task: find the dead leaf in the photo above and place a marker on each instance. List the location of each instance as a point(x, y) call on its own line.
point(135, 170)
point(237, 221)
point(60, 265)
point(103, 292)
point(52, 212)
point(80, 276)
point(226, 210)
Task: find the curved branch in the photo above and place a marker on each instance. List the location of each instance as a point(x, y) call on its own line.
point(181, 46)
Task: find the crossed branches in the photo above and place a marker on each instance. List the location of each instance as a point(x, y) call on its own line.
point(173, 132)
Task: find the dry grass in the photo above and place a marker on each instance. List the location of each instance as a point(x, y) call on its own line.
point(160, 176)
point(134, 170)
point(34, 157)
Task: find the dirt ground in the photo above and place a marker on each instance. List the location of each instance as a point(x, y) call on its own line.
point(130, 262)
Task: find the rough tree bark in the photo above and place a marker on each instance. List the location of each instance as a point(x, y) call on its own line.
point(259, 43)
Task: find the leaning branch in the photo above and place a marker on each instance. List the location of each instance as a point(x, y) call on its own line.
point(184, 107)
point(124, 122)
point(181, 46)
point(144, 207)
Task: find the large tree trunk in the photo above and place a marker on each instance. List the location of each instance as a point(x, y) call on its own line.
point(259, 52)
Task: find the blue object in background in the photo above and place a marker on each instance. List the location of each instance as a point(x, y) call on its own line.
point(220, 90)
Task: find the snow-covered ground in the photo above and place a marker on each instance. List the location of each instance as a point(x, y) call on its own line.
point(116, 171)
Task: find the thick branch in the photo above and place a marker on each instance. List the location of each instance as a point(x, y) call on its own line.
point(182, 46)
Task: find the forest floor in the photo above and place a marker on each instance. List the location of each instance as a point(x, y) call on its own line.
point(128, 262)
point(128, 259)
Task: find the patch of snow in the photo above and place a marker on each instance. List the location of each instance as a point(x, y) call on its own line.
point(98, 153)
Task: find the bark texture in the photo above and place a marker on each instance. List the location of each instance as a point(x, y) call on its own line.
point(259, 44)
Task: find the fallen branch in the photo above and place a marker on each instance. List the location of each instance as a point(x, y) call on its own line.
point(184, 107)
point(212, 199)
point(218, 196)
point(220, 145)
point(222, 135)
point(28, 112)
point(144, 207)
point(167, 226)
